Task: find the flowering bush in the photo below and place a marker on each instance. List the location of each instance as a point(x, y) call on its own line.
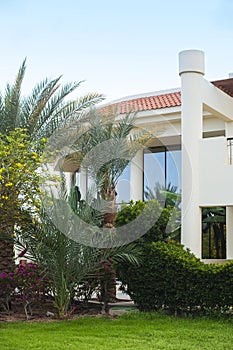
point(7, 286)
point(31, 284)
point(19, 178)
point(25, 285)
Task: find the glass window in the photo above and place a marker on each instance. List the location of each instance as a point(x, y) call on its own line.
point(173, 160)
point(123, 186)
point(154, 172)
point(214, 233)
point(162, 169)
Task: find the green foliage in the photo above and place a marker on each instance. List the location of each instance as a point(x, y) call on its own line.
point(106, 145)
point(172, 278)
point(70, 266)
point(66, 262)
point(45, 109)
point(161, 222)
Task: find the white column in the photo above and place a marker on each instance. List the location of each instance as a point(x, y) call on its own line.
point(136, 177)
point(229, 232)
point(68, 177)
point(191, 70)
point(229, 129)
point(82, 182)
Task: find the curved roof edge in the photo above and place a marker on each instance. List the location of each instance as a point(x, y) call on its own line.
point(142, 95)
point(157, 99)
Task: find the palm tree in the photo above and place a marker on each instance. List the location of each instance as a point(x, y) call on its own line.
point(45, 109)
point(107, 145)
point(67, 262)
point(41, 113)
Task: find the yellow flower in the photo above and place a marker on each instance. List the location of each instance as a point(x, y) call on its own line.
point(9, 184)
point(1, 170)
point(5, 197)
point(34, 155)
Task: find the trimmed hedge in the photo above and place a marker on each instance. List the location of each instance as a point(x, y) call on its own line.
point(170, 277)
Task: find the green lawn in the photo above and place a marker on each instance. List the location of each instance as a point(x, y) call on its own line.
point(131, 331)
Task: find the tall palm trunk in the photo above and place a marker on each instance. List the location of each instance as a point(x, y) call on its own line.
point(111, 209)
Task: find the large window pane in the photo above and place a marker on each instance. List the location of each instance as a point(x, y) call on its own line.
point(162, 169)
point(154, 172)
point(173, 161)
point(123, 186)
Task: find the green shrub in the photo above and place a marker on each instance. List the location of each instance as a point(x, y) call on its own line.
point(170, 277)
point(160, 221)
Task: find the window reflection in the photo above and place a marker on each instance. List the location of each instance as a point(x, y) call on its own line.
point(162, 169)
point(123, 186)
point(214, 233)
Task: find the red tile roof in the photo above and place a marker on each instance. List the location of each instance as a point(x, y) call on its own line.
point(225, 85)
point(172, 99)
point(147, 103)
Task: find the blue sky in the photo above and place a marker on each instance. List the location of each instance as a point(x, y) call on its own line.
point(119, 48)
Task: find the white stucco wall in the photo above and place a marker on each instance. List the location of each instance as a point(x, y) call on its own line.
point(215, 174)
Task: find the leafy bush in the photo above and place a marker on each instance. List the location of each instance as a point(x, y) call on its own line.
point(161, 222)
point(172, 278)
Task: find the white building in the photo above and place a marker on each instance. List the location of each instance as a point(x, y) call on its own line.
point(193, 131)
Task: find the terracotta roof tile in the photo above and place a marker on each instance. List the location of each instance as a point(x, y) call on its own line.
point(147, 103)
point(172, 99)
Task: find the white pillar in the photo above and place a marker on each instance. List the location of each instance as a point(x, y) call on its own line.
point(136, 177)
point(82, 182)
point(68, 178)
point(229, 232)
point(191, 70)
point(229, 129)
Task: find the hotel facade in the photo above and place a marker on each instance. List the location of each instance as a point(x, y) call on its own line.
point(191, 151)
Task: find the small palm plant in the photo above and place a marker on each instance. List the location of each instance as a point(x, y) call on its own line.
point(67, 262)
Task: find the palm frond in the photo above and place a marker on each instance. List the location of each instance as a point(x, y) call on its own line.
point(88, 100)
point(29, 103)
point(41, 102)
point(11, 103)
point(55, 103)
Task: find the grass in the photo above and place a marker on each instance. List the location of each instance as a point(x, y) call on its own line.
point(131, 331)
